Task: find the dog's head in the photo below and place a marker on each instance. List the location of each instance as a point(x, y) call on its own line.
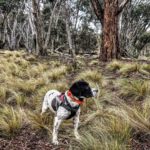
point(81, 89)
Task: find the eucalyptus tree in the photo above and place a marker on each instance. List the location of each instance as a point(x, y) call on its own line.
point(10, 11)
point(107, 12)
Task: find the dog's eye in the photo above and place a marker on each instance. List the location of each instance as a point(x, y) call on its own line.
point(87, 88)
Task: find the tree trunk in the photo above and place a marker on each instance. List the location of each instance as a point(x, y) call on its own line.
point(39, 28)
point(108, 16)
point(69, 37)
point(50, 25)
point(110, 43)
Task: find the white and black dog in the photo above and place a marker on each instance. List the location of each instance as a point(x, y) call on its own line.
point(67, 105)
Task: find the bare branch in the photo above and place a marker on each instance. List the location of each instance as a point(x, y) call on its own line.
point(122, 5)
point(98, 10)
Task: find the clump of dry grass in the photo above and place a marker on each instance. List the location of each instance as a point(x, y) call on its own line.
point(8, 53)
point(94, 63)
point(11, 121)
point(16, 98)
point(107, 130)
point(113, 127)
point(135, 90)
point(55, 64)
point(114, 65)
point(137, 118)
point(93, 76)
point(30, 58)
point(35, 70)
point(129, 68)
point(27, 87)
point(146, 108)
point(146, 67)
point(80, 62)
point(22, 62)
point(2, 93)
point(41, 122)
point(57, 73)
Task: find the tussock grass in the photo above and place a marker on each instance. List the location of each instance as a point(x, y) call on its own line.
point(92, 76)
point(57, 73)
point(11, 121)
point(129, 68)
point(35, 70)
point(16, 98)
point(146, 108)
point(30, 58)
point(137, 118)
point(22, 62)
point(80, 63)
point(93, 62)
point(112, 127)
point(55, 64)
point(106, 121)
point(2, 93)
point(135, 90)
point(114, 65)
point(107, 130)
point(8, 53)
point(27, 87)
point(41, 122)
point(146, 67)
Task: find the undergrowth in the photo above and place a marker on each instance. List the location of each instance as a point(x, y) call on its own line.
point(107, 121)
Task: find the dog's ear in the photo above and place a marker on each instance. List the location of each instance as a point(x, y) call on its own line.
point(75, 89)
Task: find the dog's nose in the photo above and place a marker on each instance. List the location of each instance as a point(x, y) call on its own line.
point(94, 91)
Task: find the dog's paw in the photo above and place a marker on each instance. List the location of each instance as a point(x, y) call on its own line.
point(55, 142)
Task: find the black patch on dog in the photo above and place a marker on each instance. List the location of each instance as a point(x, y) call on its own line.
point(81, 89)
point(55, 104)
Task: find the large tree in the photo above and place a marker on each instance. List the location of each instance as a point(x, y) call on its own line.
point(107, 12)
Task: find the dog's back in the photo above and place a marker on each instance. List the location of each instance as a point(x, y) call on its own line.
point(48, 98)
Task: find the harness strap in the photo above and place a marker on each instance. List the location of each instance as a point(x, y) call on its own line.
point(64, 103)
point(67, 106)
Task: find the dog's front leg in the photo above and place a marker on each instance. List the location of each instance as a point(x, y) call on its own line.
point(76, 124)
point(57, 122)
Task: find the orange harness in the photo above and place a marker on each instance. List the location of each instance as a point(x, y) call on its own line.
point(74, 99)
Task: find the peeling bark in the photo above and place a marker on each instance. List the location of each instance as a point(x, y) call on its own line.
point(109, 16)
point(110, 46)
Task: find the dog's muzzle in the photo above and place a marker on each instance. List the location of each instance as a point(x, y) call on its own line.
point(94, 92)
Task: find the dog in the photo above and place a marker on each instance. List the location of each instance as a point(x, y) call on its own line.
point(67, 105)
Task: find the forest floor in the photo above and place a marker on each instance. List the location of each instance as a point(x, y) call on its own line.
point(118, 119)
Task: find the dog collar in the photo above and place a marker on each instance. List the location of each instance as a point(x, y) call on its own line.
point(74, 99)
